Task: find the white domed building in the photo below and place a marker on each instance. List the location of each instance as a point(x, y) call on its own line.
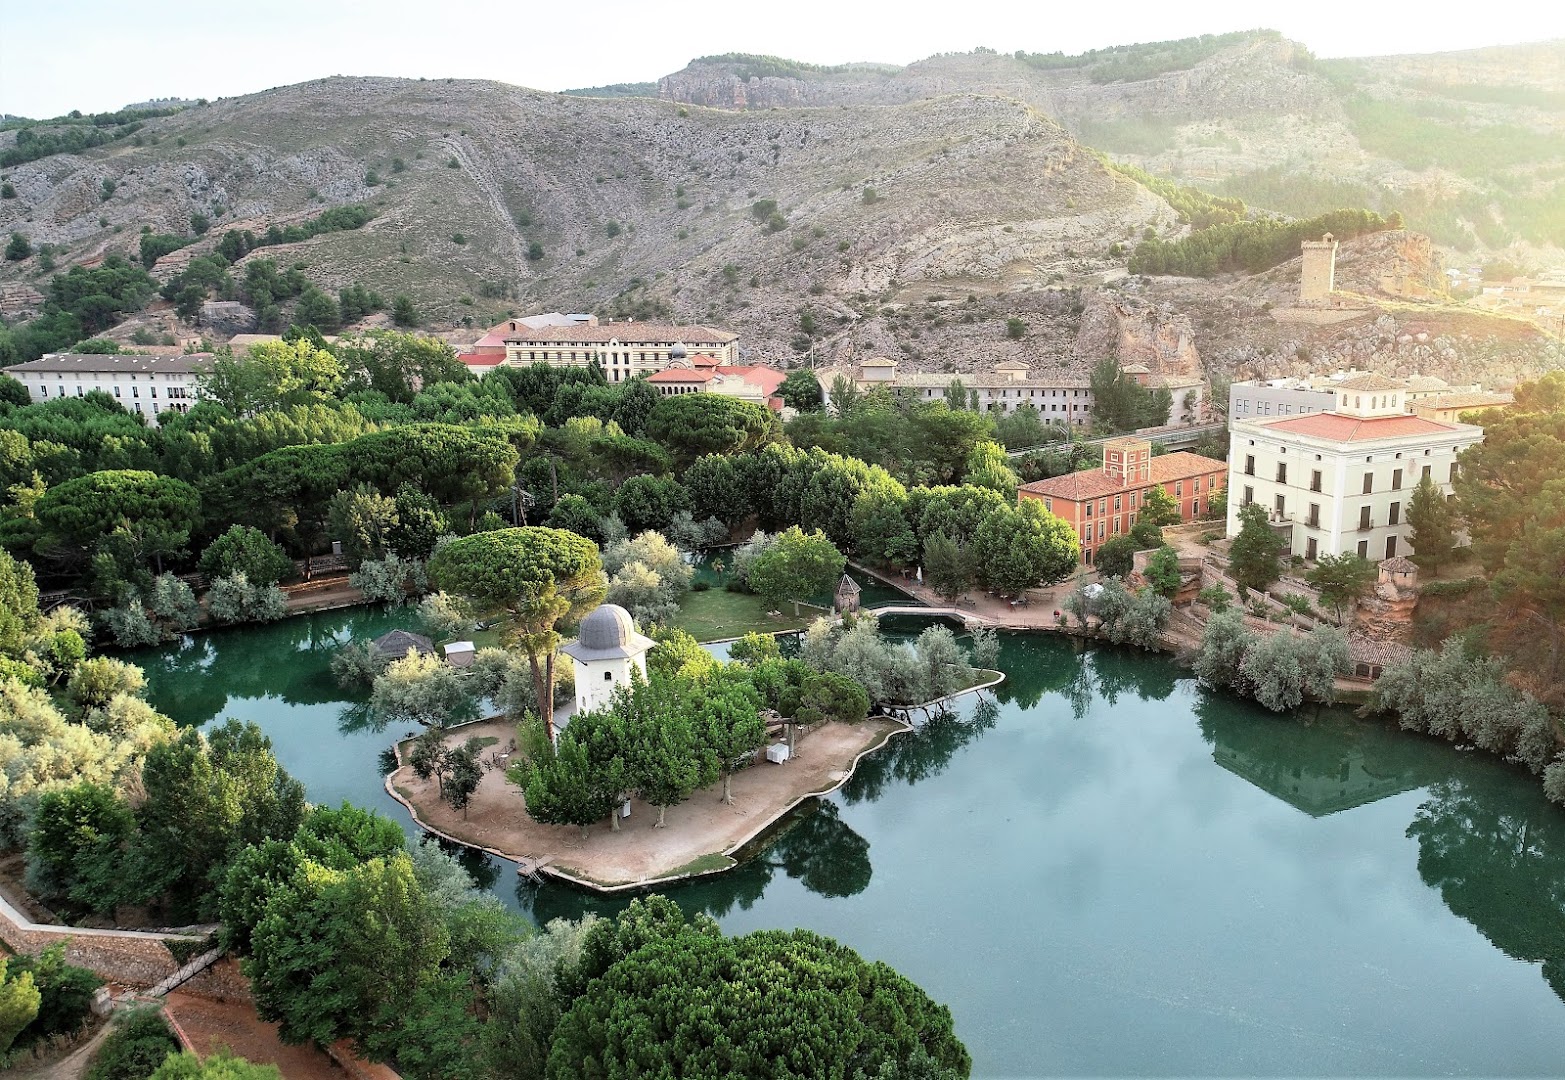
point(606, 650)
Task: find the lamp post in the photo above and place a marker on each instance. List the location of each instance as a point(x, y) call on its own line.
point(521, 501)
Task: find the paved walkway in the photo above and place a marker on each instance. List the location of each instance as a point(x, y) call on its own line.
point(1036, 614)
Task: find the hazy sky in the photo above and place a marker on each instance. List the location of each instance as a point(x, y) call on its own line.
point(97, 55)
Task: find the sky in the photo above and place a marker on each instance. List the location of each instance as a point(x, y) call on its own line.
point(100, 55)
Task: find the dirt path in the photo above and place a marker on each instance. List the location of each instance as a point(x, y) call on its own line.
point(71, 1067)
point(699, 831)
point(208, 1025)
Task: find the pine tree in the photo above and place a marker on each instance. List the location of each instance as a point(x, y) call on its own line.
point(1433, 534)
point(1256, 551)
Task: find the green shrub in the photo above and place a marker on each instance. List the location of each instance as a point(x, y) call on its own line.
point(66, 994)
point(1452, 588)
point(139, 1043)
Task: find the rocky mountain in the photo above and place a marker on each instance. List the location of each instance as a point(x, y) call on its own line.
point(825, 214)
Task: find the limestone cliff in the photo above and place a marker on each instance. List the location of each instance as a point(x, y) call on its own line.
point(1133, 331)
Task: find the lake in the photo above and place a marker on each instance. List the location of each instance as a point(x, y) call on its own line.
point(1107, 872)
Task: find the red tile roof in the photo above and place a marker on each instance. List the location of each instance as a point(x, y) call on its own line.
point(625, 332)
point(481, 360)
point(1338, 427)
point(1095, 483)
point(681, 375)
point(768, 379)
point(1371, 381)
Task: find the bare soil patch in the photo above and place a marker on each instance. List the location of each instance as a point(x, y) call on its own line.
point(698, 833)
point(209, 1025)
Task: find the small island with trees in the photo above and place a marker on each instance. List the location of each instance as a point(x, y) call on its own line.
point(673, 742)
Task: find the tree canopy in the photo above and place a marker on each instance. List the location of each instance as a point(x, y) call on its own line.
point(534, 576)
point(774, 1004)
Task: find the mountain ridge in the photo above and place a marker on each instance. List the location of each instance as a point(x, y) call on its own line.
point(892, 213)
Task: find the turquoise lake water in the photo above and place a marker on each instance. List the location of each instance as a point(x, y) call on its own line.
point(1107, 872)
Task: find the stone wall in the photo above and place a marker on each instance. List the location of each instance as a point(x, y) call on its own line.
point(223, 981)
point(132, 957)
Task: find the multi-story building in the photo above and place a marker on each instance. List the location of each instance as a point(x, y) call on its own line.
point(1450, 407)
point(147, 385)
point(1101, 504)
point(704, 375)
point(1340, 481)
point(1254, 399)
point(1277, 397)
point(622, 349)
point(1059, 399)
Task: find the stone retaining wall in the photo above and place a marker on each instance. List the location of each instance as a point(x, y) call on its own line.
point(132, 957)
point(223, 981)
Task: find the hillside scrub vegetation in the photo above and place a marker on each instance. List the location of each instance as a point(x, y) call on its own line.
point(1250, 246)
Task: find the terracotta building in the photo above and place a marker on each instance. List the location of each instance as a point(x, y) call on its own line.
point(1101, 504)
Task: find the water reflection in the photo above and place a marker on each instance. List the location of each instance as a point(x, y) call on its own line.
point(1496, 854)
point(813, 845)
point(1092, 794)
point(194, 679)
point(1318, 761)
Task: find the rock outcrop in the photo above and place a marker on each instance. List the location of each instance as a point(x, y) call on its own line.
point(1133, 331)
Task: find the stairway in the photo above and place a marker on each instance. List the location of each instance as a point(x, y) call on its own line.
point(186, 973)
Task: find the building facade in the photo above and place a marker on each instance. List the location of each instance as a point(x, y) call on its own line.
point(608, 652)
point(1450, 407)
point(1277, 397)
point(702, 375)
point(146, 385)
point(623, 350)
point(1318, 276)
point(1100, 504)
point(1340, 481)
point(1058, 399)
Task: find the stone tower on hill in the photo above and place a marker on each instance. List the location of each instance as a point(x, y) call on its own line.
point(1319, 277)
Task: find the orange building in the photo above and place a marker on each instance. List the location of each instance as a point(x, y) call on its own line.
point(1101, 504)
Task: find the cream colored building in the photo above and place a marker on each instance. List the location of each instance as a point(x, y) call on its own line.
point(1058, 399)
point(145, 385)
point(1450, 407)
point(702, 375)
point(608, 652)
point(1318, 276)
point(622, 349)
point(1340, 481)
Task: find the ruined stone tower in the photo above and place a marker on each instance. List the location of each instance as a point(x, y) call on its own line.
point(1319, 277)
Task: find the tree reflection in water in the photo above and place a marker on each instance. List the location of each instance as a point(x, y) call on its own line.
point(920, 754)
point(1496, 854)
point(813, 845)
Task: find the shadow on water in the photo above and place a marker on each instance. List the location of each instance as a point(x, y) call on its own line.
point(921, 754)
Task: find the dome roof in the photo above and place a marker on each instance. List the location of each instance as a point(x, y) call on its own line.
point(607, 627)
point(678, 351)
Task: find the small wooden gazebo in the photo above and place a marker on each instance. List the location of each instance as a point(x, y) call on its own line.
point(847, 598)
point(396, 644)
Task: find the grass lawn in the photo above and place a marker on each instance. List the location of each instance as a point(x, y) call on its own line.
point(717, 613)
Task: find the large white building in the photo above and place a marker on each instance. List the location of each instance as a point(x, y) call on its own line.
point(622, 349)
point(147, 385)
point(1300, 396)
point(1059, 399)
point(1340, 481)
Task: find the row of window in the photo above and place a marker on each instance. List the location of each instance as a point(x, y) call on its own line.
point(1312, 520)
point(1312, 550)
point(1369, 477)
point(135, 391)
point(1264, 408)
point(1103, 530)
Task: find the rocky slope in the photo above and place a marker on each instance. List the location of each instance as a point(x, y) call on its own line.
point(920, 209)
